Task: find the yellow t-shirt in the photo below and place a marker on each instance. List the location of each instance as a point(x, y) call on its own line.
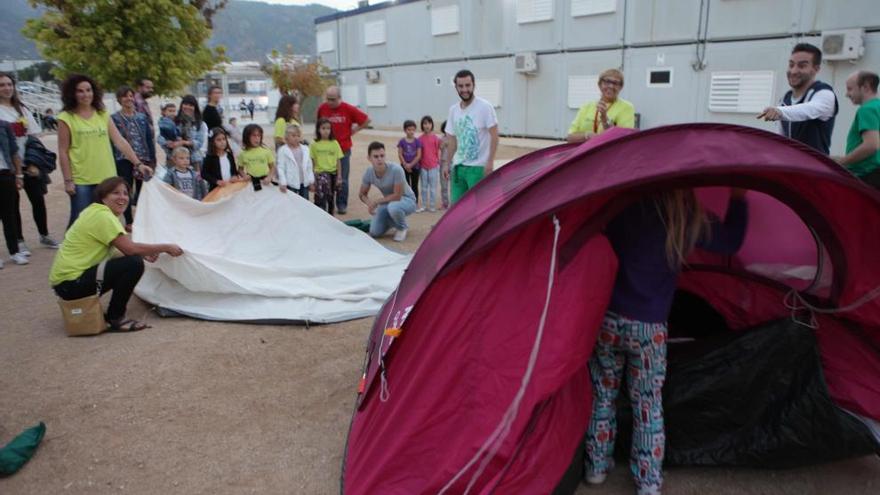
point(256, 161)
point(86, 243)
point(324, 155)
point(91, 158)
point(281, 126)
point(621, 113)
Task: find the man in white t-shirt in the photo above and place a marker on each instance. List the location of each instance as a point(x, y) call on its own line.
point(472, 127)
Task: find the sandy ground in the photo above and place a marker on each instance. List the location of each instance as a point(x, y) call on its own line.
point(194, 407)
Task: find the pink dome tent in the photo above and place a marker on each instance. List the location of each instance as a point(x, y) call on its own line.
point(475, 375)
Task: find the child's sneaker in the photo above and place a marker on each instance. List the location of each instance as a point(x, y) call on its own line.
point(419, 209)
point(400, 235)
point(596, 478)
point(49, 242)
point(20, 259)
point(432, 210)
point(23, 249)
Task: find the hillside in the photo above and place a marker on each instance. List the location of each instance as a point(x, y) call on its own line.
point(249, 30)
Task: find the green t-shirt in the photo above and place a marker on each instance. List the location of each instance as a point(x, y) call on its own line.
point(325, 153)
point(256, 161)
point(86, 243)
point(281, 126)
point(867, 119)
point(91, 158)
point(621, 113)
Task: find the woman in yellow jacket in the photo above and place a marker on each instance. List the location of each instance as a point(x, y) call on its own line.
point(596, 117)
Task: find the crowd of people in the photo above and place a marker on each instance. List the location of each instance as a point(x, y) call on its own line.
point(105, 158)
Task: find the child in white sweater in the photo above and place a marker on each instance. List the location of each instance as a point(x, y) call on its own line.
point(294, 165)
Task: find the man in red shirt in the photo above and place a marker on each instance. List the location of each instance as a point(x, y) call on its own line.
point(346, 120)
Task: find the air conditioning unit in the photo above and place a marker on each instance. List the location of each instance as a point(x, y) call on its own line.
point(844, 44)
point(526, 63)
point(373, 75)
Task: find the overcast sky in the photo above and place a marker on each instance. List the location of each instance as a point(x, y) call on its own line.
point(336, 4)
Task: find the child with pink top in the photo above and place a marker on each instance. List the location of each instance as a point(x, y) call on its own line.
point(430, 172)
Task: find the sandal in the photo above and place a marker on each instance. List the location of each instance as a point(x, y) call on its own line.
point(127, 326)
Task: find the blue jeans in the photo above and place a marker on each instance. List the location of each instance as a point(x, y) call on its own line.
point(429, 180)
point(391, 214)
point(342, 192)
point(301, 190)
point(81, 200)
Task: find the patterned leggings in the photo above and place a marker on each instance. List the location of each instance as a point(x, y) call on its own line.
point(641, 347)
point(325, 191)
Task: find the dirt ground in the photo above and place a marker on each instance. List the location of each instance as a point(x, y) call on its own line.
point(196, 407)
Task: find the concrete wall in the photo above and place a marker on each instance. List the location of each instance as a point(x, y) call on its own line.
point(741, 35)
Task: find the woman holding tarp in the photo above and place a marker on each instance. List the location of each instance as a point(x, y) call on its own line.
point(87, 245)
point(651, 238)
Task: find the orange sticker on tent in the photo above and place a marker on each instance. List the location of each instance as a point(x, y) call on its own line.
point(362, 385)
point(392, 332)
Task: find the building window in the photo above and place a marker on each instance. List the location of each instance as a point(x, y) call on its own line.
point(660, 77)
point(374, 32)
point(325, 41)
point(444, 20)
point(490, 90)
point(377, 95)
point(741, 91)
point(582, 90)
point(580, 8)
point(533, 11)
point(351, 94)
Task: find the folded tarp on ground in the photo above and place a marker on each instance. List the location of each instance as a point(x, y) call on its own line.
point(260, 256)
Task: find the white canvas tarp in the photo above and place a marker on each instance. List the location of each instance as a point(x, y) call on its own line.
point(260, 256)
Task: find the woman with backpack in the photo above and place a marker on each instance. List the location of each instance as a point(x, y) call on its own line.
point(37, 166)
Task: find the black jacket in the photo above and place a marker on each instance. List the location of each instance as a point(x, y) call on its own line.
point(211, 169)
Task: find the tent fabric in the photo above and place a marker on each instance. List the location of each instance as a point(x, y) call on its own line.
point(787, 418)
point(260, 256)
point(434, 383)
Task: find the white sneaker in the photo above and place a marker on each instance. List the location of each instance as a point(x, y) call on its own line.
point(419, 210)
point(391, 231)
point(23, 249)
point(596, 478)
point(20, 259)
point(400, 235)
point(432, 210)
point(49, 242)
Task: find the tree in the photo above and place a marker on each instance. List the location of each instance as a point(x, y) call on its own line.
point(117, 41)
point(295, 74)
point(43, 70)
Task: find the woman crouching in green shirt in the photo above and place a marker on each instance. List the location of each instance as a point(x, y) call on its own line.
point(88, 242)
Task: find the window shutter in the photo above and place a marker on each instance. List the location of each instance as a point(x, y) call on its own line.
point(533, 11)
point(377, 95)
point(741, 91)
point(374, 32)
point(444, 20)
point(581, 8)
point(325, 41)
point(490, 90)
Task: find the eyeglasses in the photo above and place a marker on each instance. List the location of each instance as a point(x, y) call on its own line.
point(611, 82)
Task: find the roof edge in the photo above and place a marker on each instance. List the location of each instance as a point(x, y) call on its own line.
point(362, 10)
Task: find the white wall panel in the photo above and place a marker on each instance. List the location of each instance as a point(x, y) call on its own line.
point(582, 90)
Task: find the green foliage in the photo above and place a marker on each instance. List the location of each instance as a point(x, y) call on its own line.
point(295, 75)
point(117, 41)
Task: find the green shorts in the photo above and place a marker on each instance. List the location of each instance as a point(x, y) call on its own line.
point(463, 178)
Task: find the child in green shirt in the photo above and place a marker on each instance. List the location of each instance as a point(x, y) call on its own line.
point(256, 160)
point(326, 155)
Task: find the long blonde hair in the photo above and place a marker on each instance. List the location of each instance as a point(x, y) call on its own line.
point(685, 222)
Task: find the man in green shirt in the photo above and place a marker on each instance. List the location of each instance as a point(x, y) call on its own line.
point(863, 141)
